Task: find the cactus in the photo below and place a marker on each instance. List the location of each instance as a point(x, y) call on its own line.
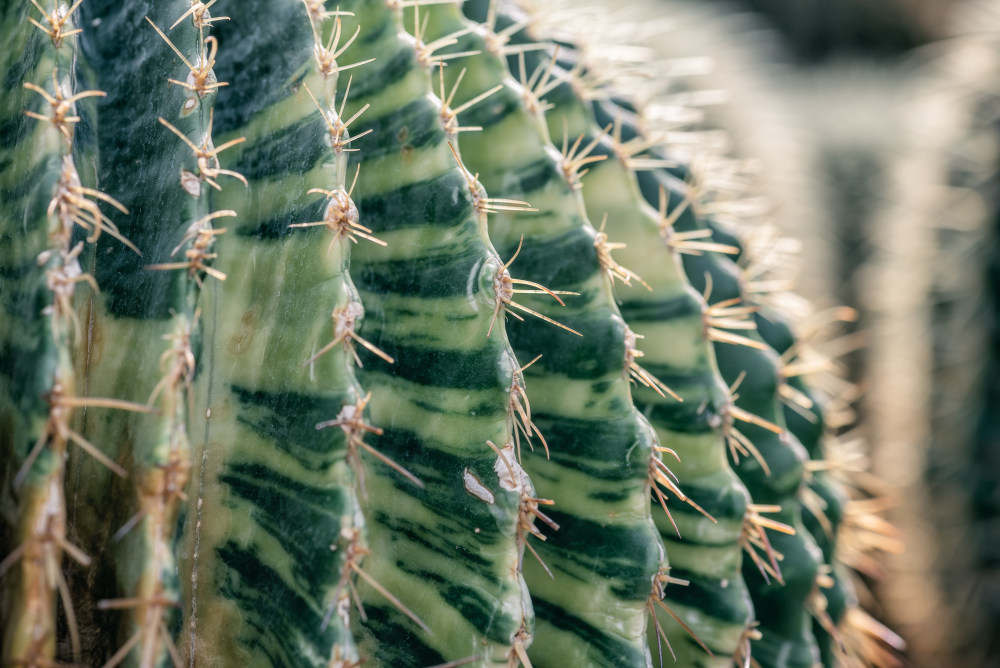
point(380, 359)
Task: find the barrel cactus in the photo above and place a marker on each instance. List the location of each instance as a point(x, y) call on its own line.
point(381, 334)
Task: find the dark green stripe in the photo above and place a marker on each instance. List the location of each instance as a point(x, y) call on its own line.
point(304, 520)
point(622, 555)
point(269, 158)
point(684, 305)
point(436, 202)
point(280, 619)
point(288, 419)
point(414, 126)
point(726, 602)
point(607, 650)
point(442, 274)
point(398, 645)
point(606, 449)
point(472, 370)
point(535, 261)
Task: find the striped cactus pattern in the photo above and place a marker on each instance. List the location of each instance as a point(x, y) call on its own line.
point(393, 343)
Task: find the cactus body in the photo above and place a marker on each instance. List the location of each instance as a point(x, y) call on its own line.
point(355, 346)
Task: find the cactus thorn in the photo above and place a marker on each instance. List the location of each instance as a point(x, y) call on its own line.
point(207, 156)
point(504, 291)
point(61, 106)
point(426, 51)
point(519, 412)
point(326, 54)
point(57, 19)
point(203, 235)
point(336, 126)
point(199, 14)
point(351, 420)
point(201, 77)
point(575, 158)
point(345, 320)
point(449, 115)
point(341, 216)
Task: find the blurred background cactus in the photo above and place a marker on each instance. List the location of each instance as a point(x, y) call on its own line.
point(409, 333)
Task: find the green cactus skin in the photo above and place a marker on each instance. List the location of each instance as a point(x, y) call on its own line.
point(707, 554)
point(47, 209)
point(823, 515)
point(596, 170)
point(704, 553)
point(144, 549)
point(832, 602)
point(821, 498)
point(279, 528)
point(780, 606)
point(720, 610)
point(787, 637)
point(261, 453)
point(152, 305)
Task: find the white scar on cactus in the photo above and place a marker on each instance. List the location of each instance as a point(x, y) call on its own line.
point(476, 488)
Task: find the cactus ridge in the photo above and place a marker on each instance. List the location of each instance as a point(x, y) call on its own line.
point(44, 259)
point(594, 579)
point(733, 357)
